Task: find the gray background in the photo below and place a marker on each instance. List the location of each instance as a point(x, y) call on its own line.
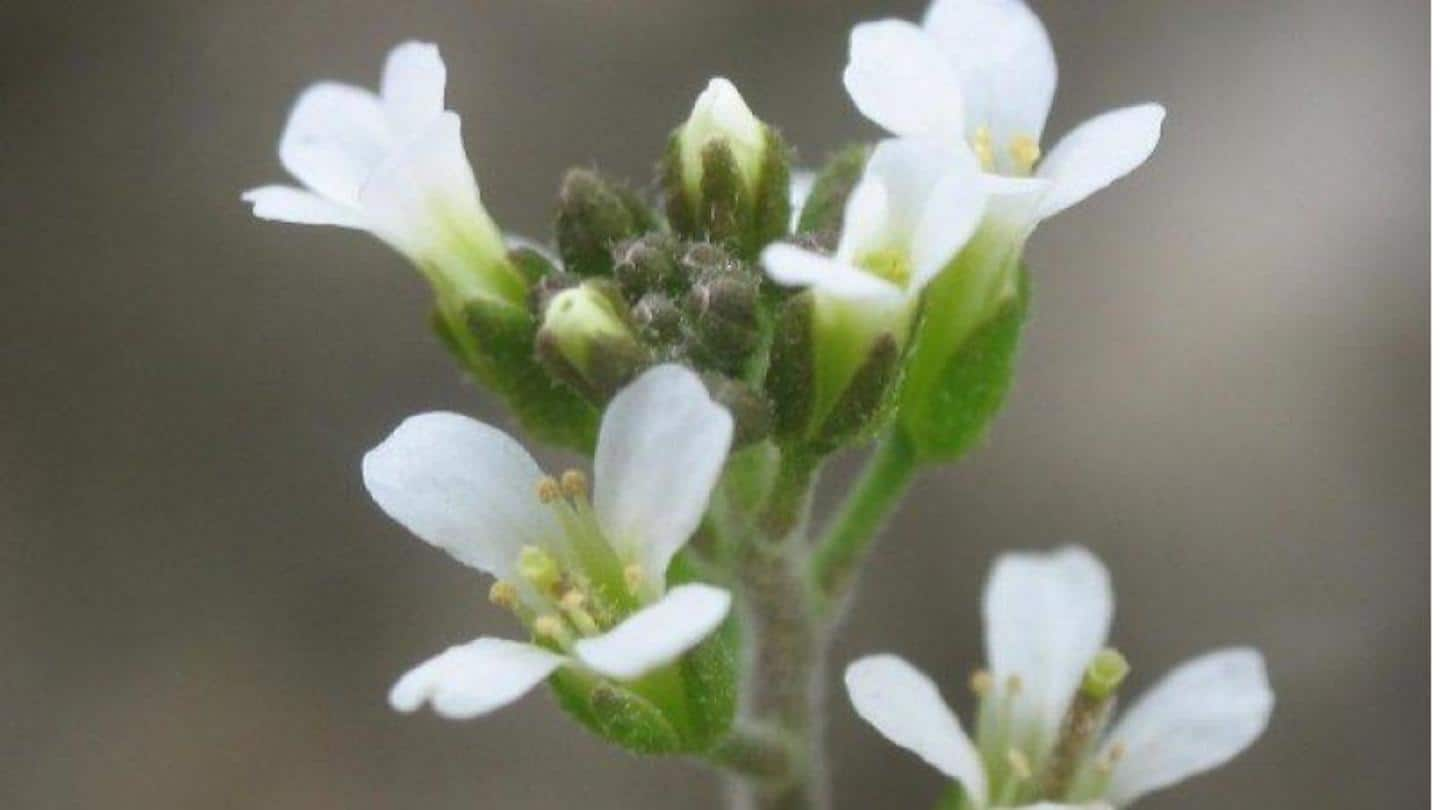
point(1223, 392)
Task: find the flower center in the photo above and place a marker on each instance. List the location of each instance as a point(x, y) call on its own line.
point(1022, 150)
point(891, 264)
point(577, 586)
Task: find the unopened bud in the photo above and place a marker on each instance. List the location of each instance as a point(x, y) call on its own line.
point(658, 319)
point(726, 174)
point(594, 215)
point(648, 264)
point(725, 315)
point(585, 340)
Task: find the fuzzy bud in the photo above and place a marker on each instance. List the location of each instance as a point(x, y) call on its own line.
point(586, 340)
point(595, 214)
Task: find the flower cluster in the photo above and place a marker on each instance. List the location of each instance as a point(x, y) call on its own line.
point(709, 347)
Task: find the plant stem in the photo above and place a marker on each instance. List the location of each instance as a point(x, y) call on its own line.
point(839, 554)
point(784, 687)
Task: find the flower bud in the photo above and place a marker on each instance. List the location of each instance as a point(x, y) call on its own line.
point(724, 311)
point(658, 319)
point(726, 174)
point(595, 214)
point(586, 341)
point(648, 263)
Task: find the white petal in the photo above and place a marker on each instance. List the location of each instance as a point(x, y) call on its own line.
point(936, 198)
point(1046, 616)
point(871, 221)
point(469, 680)
point(462, 486)
point(1099, 152)
point(288, 204)
point(658, 634)
point(791, 266)
point(335, 137)
point(424, 198)
point(412, 88)
point(899, 79)
point(662, 444)
point(903, 704)
point(1001, 47)
point(1200, 716)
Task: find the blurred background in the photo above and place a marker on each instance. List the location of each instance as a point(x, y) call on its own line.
point(1223, 392)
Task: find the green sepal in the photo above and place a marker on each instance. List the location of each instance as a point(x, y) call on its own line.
point(953, 799)
point(593, 216)
point(683, 708)
point(860, 408)
point(945, 410)
point(495, 344)
point(724, 203)
point(678, 209)
point(771, 218)
point(615, 713)
point(727, 210)
point(790, 379)
point(824, 210)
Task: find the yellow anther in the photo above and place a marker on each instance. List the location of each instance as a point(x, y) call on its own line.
point(1013, 685)
point(540, 569)
point(504, 594)
point(1019, 763)
point(634, 578)
point(1024, 152)
point(572, 600)
point(573, 483)
point(983, 147)
point(1115, 753)
point(981, 682)
point(548, 490)
point(551, 627)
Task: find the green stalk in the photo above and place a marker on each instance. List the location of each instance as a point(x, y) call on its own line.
point(871, 502)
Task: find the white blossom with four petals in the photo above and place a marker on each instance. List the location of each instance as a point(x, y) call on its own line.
point(983, 73)
point(471, 490)
point(1046, 617)
point(394, 165)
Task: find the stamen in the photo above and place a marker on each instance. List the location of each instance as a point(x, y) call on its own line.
point(1019, 763)
point(548, 490)
point(981, 682)
point(984, 148)
point(552, 627)
point(573, 604)
point(574, 484)
point(634, 578)
point(1024, 152)
point(504, 594)
point(1013, 686)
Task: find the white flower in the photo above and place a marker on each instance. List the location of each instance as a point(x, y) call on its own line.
point(393, 164)
point(802, 182)
point(911, 212)
point(721, 114)
point(1046, 617)
point(589, 581)
point(983, 71)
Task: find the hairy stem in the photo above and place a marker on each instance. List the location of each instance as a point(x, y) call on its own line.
point(841, 551)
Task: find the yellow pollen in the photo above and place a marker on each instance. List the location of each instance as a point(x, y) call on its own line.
point(634, 577)
point(573, 483)
point(551, 627)
point(572, 600)
point(548, 490)
point(1024, 152)
point(983, 147)
point(981, 682)
point(1019, 763)
point(504, 594)
point(1013, 685)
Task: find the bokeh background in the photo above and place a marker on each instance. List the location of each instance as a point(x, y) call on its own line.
point(1223, 392)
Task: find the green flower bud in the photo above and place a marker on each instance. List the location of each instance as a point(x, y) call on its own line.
point(727, 174)
point(648, 264)
point(725, 317)
point(594, 215)
point(585, 340)
point(658, 319)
